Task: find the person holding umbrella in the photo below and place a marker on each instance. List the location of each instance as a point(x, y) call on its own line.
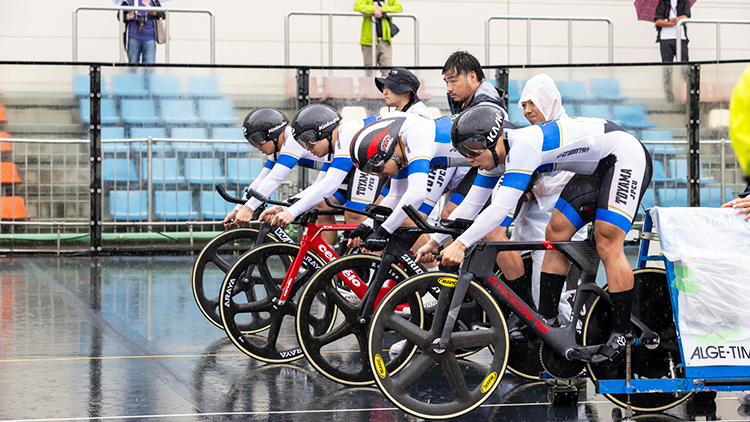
point(666, 16)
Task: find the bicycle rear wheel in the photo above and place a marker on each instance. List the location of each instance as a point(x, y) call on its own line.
point(340, 353)
point(652, 305)
point(241, 303)
point(216, 258)
point(438, 385)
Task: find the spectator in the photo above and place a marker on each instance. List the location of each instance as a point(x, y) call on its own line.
point(384, 53)
point(668, 13)
point(465, 82)
point(140, 31)
point(399, 90)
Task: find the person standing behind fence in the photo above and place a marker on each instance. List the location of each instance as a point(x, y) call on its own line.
point(668, 13)
point(140, 31)
point(378, 8)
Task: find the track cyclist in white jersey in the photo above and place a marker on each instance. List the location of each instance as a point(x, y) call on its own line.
point(612, 170)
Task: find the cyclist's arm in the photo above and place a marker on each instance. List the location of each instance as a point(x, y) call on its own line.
point(414, 195)
point(324, 187)
point(258, 180)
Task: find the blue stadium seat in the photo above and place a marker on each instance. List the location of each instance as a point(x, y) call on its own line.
point(673, 197)
point(233, 133)
point(631, 116)
point(516, 116)
point(145, 132)
point(128, 205)
point(217, 112)
point(118, 170)
point(82, 86)
point(166, 86)
point(660, 175)
point(129, 85)
point(656, 135)
point(213, 206)
point(178, 112)
point(710, 197)
point(650, 199)
point(595, 110)
point(514, 91)
point(164, 170)
point(204, 171)
point(174, 205)
point(679, 171)
point(113, 132)
point(188, 133)
point(139, 112)
point(572, 91)
point(204, 86)
point(243, 171)
point(108, 111)
point(607, 89)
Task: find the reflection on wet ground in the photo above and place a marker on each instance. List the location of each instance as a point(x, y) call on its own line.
point(122, 338)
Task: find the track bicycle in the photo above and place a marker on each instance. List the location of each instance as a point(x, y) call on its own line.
point(281, 270)
point(433, 385)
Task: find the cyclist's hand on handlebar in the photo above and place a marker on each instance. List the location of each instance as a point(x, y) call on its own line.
point(377, 240)
point(453, 254)
point(267, 215)
point(362, 232)
point(426, 253)
point(229, 219)
point(282, 219)
point(244, 216)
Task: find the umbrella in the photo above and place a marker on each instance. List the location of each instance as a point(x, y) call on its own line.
point(646, 8)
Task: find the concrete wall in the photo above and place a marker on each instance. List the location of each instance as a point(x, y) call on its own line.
point(252, 32)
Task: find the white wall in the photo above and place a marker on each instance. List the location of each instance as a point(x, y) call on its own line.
point(252, 32)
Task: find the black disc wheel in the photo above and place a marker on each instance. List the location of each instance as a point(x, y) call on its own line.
point(340, 353)
point(436, 384)
point(214, 261)
point(251, 291)
point(652, 305)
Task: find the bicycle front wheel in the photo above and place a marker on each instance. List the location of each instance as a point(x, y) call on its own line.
point(437, 385)
point(250, 292)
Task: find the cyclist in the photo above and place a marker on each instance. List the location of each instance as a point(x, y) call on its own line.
point(267, 130)
point(612, 170)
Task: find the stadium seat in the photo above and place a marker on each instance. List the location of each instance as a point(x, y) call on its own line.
point(601, 111)
point(368, 90)
point(128, 205)
point(166, 86)
point(5, 146)
point(229, 133)
point(243, 171)
point(722, 91)
point(174, 205)
point(514, 91)
point(650, 199)
point(9, 174)
point(145, 132)
point(217, 112)
point(139, 112)
point(213, 206)
point(422, 91)
point(12, 208)
point(129, 85)
point(108, 111)
point(679, 171)
point(193, 147)
point(3, 115)
point(119, 170)
point(710, 197)
point(338, 87)
point(607, 89)
point(113, 132)
point(632, 116)
point(516, 115)
point(204, 86)
point(188, 133)
point(164, 170)
point(178, 112)
point(660, 175)
point(314, 91)
point(656, 135)
point(204, 171)
point(82, 86)
point(572, 91)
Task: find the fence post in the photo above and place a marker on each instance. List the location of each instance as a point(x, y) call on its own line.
point(693, 133)
point(501, 81)
point(303, 99)
point(95, 159)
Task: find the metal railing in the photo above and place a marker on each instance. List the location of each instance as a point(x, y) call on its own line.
point(145, 9)
point(528, 19)
point(330, 31)
point(683, 22)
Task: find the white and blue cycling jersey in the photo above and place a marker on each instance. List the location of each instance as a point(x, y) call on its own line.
point(602, 155)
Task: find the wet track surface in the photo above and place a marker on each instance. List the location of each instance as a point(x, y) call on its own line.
point(122, 339)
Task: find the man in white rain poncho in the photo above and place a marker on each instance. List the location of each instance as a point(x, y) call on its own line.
point(541, 102)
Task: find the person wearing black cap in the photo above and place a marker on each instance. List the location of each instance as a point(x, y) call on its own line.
point(399, 89)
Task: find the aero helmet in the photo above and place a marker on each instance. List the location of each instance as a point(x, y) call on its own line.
point(375, 143)
point(313, 123)
point(478, 128)
point(263, 125)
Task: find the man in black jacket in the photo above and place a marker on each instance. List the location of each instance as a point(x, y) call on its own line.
point(466, 84)
point(668, 13)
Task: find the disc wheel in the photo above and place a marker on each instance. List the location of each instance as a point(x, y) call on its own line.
point(251, 291)
point(438, 385)
point(340, 353)
point(652, 305)
point(214, 261)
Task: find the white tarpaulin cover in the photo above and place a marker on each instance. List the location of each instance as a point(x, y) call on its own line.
point(710, 248)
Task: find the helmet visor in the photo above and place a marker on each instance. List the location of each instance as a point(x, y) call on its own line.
point(374, 165)
point(256, 139)
point(307, 139)
point(472, 147)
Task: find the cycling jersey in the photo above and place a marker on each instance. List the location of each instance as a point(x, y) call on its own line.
point(276, 170)
point(604, 157)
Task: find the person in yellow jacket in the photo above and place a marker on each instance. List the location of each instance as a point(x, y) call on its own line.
point(739, 120)
point(378, 8)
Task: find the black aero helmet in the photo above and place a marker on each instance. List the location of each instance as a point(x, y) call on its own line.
point(263, 125)
point(478, 128)
point(375, 143)
point(313, 123)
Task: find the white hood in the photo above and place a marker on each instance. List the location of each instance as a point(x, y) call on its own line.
point(541, 91)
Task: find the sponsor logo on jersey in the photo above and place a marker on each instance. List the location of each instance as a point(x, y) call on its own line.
point(573, 151)
point(365, 184)
point(626, 187)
